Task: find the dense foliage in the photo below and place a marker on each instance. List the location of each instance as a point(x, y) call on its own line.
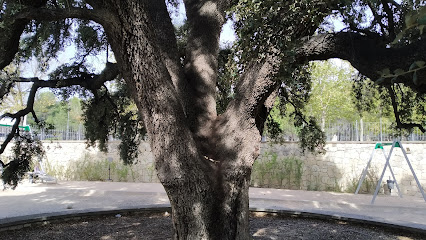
point(393, 23)
point(24, 150)
point(114, 114)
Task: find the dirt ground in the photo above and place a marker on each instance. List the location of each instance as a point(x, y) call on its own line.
point(158, 226)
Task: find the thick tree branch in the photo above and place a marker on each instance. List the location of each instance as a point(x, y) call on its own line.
point(205, 20)
point(368, 55)
point(91, 82)
point(143, 68)
point(9, 42)
point(15, 130)
point(255, 86)
point(166, 42)
point(12, 30)
point(390, 17)
point(17, 116)
point(366, 32)
point(46, 14)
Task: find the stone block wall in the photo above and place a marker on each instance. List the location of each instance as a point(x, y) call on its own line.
point(339, 169)
point(73, 160)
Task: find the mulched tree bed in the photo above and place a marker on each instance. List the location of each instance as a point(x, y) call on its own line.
point(143, 225)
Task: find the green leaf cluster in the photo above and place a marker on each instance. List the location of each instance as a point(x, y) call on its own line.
point(54, 113)
point(114, 114)
point(24, 150)
point(414, 22)
point(265, 26)
point(294, 94)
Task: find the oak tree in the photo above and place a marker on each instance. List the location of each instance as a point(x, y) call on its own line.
point(203, 159)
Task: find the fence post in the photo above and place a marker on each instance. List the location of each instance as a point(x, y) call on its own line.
point(356, 131)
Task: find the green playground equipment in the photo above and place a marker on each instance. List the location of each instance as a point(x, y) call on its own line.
point(25, 128)
point(379, 145)
point(364, 173)
point(4, 133)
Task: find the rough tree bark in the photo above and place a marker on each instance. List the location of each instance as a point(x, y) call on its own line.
point(203, 160)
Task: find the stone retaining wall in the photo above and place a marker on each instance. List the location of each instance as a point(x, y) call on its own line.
point(339, 169)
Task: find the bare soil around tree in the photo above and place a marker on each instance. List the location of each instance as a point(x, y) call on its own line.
point(159, 226)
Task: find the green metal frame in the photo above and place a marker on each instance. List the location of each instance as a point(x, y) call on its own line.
point(396, 143)
point(379, 145)
point(26, 128)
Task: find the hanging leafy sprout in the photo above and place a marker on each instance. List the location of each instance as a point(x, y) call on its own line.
point(24, 151)
point(114, 114)
point(294, 94)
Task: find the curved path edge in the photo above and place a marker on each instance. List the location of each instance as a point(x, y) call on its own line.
point(17, 223)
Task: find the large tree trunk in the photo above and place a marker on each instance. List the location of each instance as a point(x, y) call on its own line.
point(203, 160)
point(211, 200)
point(210, 208)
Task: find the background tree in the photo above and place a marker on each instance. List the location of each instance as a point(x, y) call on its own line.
point(203, 159)
point(331, 90)
point(14, 98)
point(329, 101)
point(56, 113)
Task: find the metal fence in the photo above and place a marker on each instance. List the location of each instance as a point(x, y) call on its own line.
point(71, 134)
point(370, 131)
point(359, 131)
point(343, 131)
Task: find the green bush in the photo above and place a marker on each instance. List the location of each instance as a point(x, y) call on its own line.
point(367, 186)
point(282, 172)
point(93, 167)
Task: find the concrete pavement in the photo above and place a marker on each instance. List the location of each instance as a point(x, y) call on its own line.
point(39, 201)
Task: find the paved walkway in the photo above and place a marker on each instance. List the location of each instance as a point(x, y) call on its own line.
point(37, 200)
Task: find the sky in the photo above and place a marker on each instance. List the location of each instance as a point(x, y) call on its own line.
point(228, 33)
point(227, 37)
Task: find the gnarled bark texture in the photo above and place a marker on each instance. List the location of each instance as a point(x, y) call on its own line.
point(203, 160)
